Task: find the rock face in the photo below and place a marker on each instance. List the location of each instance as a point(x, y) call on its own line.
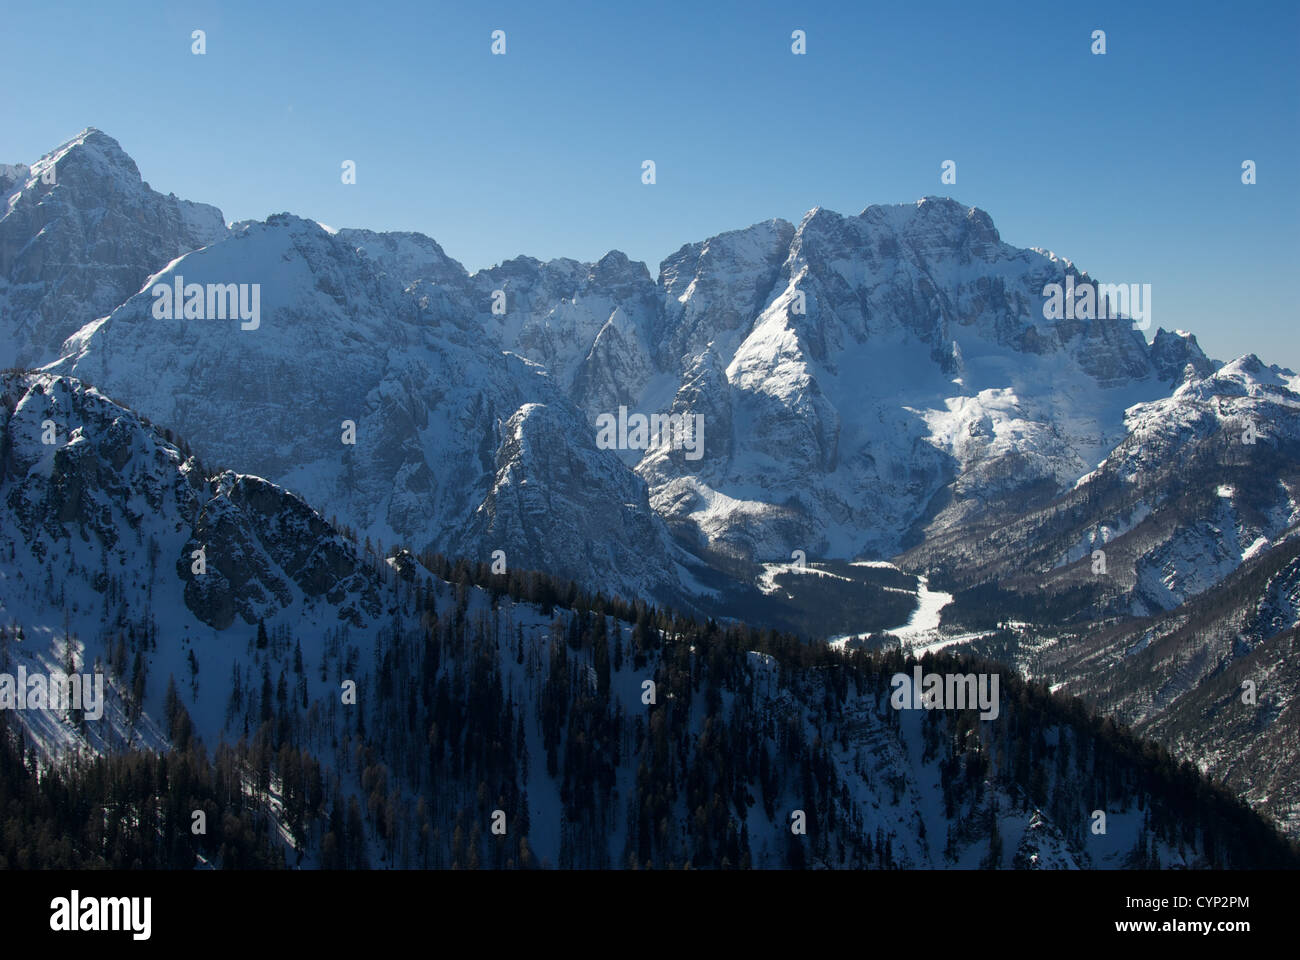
point(542, 487)
point(268, 548)
point(894, 378)
point(110, 485)
point(1177, 357)
point(80, 231)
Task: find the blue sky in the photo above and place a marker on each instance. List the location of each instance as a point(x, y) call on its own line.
point(1129, 163)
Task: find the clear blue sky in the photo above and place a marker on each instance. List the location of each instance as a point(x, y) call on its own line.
point(1129, 163)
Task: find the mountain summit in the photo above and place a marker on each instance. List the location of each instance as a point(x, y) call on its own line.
point(80, 231)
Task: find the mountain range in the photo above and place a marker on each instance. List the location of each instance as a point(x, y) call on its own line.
point(896, 447)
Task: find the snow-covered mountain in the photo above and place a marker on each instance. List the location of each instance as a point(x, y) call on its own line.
point(1204, 479)
point(886, 385)
point(100, 520)
point(1216, 678)
point(593, 738)
point(1162, 581)
point(861, 382)
point(459, 447)
point(79, 233)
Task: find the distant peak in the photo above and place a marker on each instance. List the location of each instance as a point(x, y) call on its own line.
point(615, 266)
point(819, 215)
point(287, 219)
point(1173, 353)
point(95, 148)
point(935, 221)
point(90, 136)
point(928, 205)
point(1250, 362)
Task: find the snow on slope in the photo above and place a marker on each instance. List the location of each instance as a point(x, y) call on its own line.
point(921, 633)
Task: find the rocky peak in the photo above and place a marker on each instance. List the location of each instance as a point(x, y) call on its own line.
point(91, 153)
point(79, 236)
point(407, 256)
point(614, 269)
point(1173, 353)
